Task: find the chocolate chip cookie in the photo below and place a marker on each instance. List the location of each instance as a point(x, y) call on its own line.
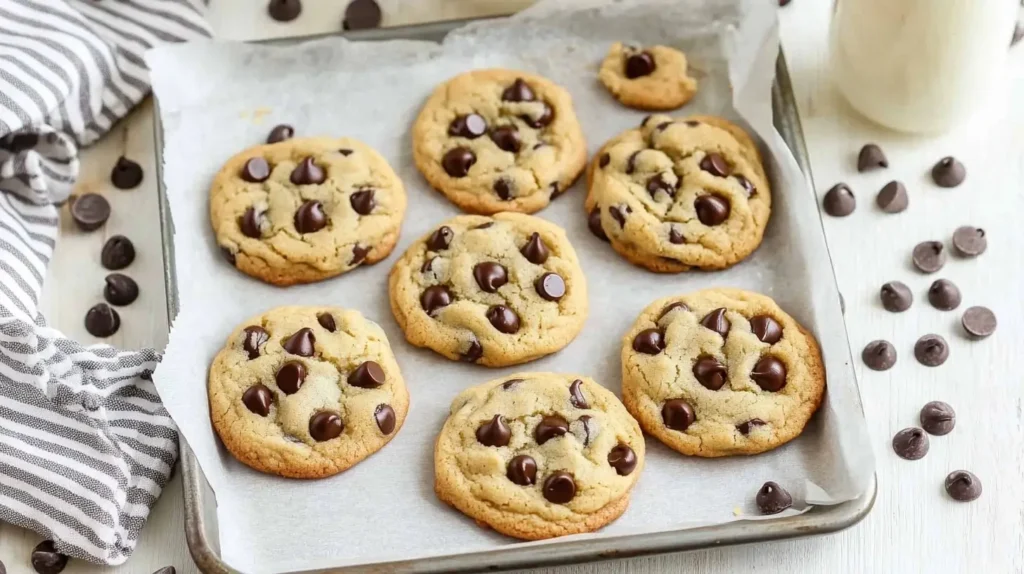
point(538, 455)
point(651, 78)
point(302, 210)
point(721, 372)
point(675, 194)
point(499, 140)
point(496, 290)
point(306, 392)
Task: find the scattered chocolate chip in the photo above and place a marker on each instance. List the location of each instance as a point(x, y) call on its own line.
point(979, 322)
point(559, 487)
point(326, 321)
point(120, 290)
point(325, 425)
point(457, 161)
point(937, 418)
point(638, 65)
point(494, 432)
point(90, 211)
point(427, 265)
point(102, 321)
point(307, 173)
point(546, 115)
point(468, 126)
point(473, 353)
point(619, 213)
point(929, 256)
point(944, 295)
point(290, 377)
point(949, 172)
point(504, 187)
point(362, 201)
point(839, 201)
point(519, 91)
point(879, 355)
point(507, 385)
point(522, 470)
point(535, 251)
point(258, 399)
point(301, 343)
point(506, 138)
point(896, 297)
point(550, 427)
point(717, 322)
point(715, 164)
point(969, 241)
point(490, 276)
point(256, 170)
point(253, 337)
point(385, 417)
point(284, 10)
point(251, 223)
point(931, 350)
point(675, 236)
point(658, 183)
point(280, 133)
point(711, 209)
point(362, 15)
point(126, 174)
point(576, 396)
point(310, 217)
point(745, 184)
point(746, 427)
point(871, 157)
point(550, 286)
point(359, 253)
point(710, 373)
point(368, 375)
point(503, 319)
point(227, 255)
point(772, 498)
point(893, 197)
point(46, 559)
point(622, 459)
point(649, 342)
point(440, 239)
point(605, 158)
point(677, 414)
point(594, 224)
point(118, 252)
point(910, 444)
point(766, 329)
point(435, 297)
point(672, 307)
point(631, 161)
point(963, 486)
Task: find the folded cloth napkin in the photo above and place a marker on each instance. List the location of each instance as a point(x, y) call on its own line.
point(85, 444)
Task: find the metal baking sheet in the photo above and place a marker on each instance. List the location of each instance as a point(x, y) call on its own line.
point(200, 502)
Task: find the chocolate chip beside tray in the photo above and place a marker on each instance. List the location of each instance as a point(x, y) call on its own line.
point(839, 201)
point(896, 297)
point(361, 15)
point(948, 172)
point(90, 211)
point(120, 290)
point(871, 157)
point(879, 355)
point(772, 498)
point(102, 320)
point(284, 10)
point(910, 444)
point(963, 486)
point(46, 559)
point(118, 252)
point(126, 174)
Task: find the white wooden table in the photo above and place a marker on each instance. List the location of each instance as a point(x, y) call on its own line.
point(914, 527)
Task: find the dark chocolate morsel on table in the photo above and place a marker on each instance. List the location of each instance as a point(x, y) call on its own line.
point(893, 197)
point(948, 172)
point(969, 241)
point(46, 559)
point(937, 418)
point(879, 355)
point(979, 322)
point(361, 15)
point(280, 133)
point(772, 498)
point(839, 201)
point(118, 252)
point(90, 211)
point(944, 295)
point(120, 290)
point(102, 321)
point(896, 297)
point(126, 174)
point(784, 3)
point(931, 350)
point(963, 486)
point(284, 10)
point(871, 157)
point(910, 443)
point(929, 256)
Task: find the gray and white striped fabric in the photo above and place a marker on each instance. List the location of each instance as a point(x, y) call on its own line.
point(85, 443)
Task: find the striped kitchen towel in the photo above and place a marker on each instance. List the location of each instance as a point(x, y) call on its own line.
point(85, 443)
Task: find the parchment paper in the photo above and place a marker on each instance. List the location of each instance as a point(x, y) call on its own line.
point(217, 99)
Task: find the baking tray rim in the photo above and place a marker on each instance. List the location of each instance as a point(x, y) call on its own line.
point(817, 521)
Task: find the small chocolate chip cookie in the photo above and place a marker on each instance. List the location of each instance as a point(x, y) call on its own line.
point(538, 455)
point(653, 78)
point(499, 140)
point(302, 210)
point(496, 291)
point(306, 392)
point(675, 194)
point(721, 372)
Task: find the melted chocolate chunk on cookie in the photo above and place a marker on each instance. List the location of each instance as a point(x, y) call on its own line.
point(473, 353)
point(490, 276)
point(675, 236)
point(605, 159)
point(256, 170)
point(307, 173)
point(717, 322)
point(510, 384)
point(363, 201)
point(359, 253)
point(639, 65)
point(368, 375)
point(622, 459)
point(535, 251)
point(290, 377)
point(253, 337)
point(712, 209)
point(505, 188)
point(310, 217)
point(469, 126)
point(649, 342)
point(710, 373)
point(619, 213)
point(576, 396)
point(519, 91)
point(550, 286)
point(677, 414)
point(507, 138)
point(631, 162)
point(258, 399)
point(746, 427)
point(538, 121)
point(745, 184)
point(457, 161)
point(385, 418)
point(594, 224)
point(440, 239)
point(251, 223)
point(715, 164)
point(522, 470)
point(301, 343)
point(766, 329)
point(326, 321)
point(658, 183)
point(550, 427)
point(503, 319)
point(325, 425)
point(434, 298)
point(559, 487)
point(494, 432)
point(769, 373)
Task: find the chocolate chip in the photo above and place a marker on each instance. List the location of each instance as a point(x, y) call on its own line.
point(550, 427)
point(879, 355)
point(605, 158)
point(359, 253)
point(307, 173)
point(427, 265)
point(251, 223)
point(301, 343)
point(969, 241)
point(362, 15)
point(649, 342)
point(665, 125)
point(550, 286)
point(118, 252)
point(672, 307)
point(772, 498)
point(484, 225)
point(126, 174)
point(494, 432)
point(963, 486)
point(893, 197)
point(871, 157)
point(90, 211)
point(937, 418)
point(473, 353)
point(657, 183)
point(102, 321)
point(585, 422)
point(715, 164)
point(457, 161)
point(717, 322)
point(522, 470)
point(120, 290)
point(535, 251)
point(519, 91)
point(490, 276)
point(435, 297)
point(253, 337)
point(440, 239)
point(931, 350)
point(745, 184)
point(979, 322)
point(555, 191)
point(910, 444)
point(576, 396)
point(711, 209)
point(766, 329)
point(368, 375)
point(507, 385)
point(284, 10)
point(469, 126)
point(896, 297)
point(750, 425)
point(677, 414)
point(675, 236)
point(385, 417)
point(46, 559)
point(929, 256)
point(638, 65)
point(839, 201)
point(594, 224)
point(619, 213)
point(256, 170)
point(310, 217)
point(362, 201)
point(280, 133)
point(769, 373)
point(326, 321)
point(290, 377)
point(559, 487)
point(949, 172)
point(505, 188)
point(710, 373)
point(546, 115)
point(506, 138)
point(257, 399)
point(631, 161)
point(622, 459)
point(345, 152)
point(503, 319)
point(325, 425)
point(944, 295)
point(227, 255)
